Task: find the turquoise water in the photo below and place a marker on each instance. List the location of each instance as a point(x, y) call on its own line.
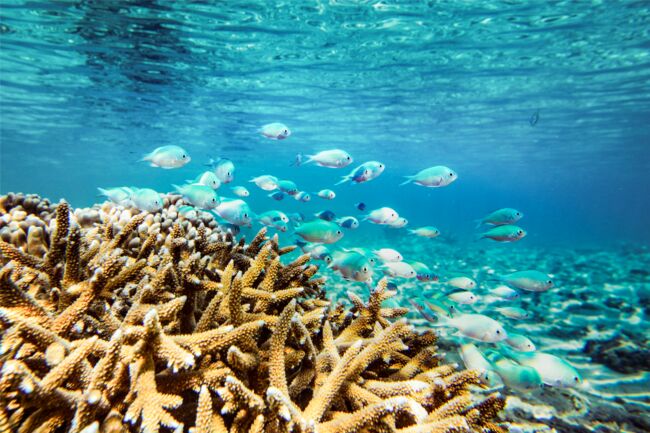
point(541, 106)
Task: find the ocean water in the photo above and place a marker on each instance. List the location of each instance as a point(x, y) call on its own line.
point(537, 105)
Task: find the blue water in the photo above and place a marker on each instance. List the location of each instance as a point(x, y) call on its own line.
point(87, 88)
point(543, 106)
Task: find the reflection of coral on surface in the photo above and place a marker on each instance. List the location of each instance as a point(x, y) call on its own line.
point(129, 324)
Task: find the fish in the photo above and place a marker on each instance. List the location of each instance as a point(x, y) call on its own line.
point(348, 222)
point(534, 118)
point(476, 326)
point(236, 212)
point(383, 215)
point(167, 157)
point(365, 172)
point(367, 253)
point(240, 191)
point(296, 217)
point(277, 195)
point(200, 196)
point(326, 215)
point(462, 282)
point(513, 312)
point(266, 182)
point(433, 177)
point(317, 252)
point(288, 187)
point(500, 217)
point(399, 269)
point(426, 232)
point(553, 370)
point(422, 272)
point(513, 375)
point(463, 297)
point(319, 230)
point(520, 342)
point(326, 194)
point(225, 170)
point(398, 223)
point(274, 215)
point(188, 212)
point(530, 280)
point(297, 160)
point(475, 360)
point(351, 265)
point(335, 158)
point(302, 196)
point(360, 206)
point(388, 255)
point(504, 233)
point(207, 178)
point(505, 292)
point(146, 199)
point(119, 195)
point(280, 226)
point(275, 131)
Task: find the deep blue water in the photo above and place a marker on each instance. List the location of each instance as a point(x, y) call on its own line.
point(87, 88)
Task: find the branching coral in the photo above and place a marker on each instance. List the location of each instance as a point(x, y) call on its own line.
point(133, 324)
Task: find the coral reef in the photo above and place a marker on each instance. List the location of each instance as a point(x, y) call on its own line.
point(116, 321)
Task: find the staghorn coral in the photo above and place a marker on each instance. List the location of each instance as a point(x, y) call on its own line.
point(126, 322)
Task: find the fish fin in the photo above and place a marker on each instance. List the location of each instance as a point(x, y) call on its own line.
point(409, 179)
point(424, 313)
point(152, 164)
point(344, 179)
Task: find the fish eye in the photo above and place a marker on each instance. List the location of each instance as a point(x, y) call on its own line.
point(517, 213)
point(184, 156)
point(338, 232)
point(286, 131)
point(381, 165)
point(245, 215)
point(451, 174)
point(498, 331)
point(549, 282)
point(228, 174)
point(520, 232)
point(364, 269)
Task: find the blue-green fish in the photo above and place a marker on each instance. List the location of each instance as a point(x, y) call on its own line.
point(146, 199)
point(326, 194)
point(520, 342)
point(288, 187)
point(319, 230)
point(348, 222)
point(553, 370)
point(200, 196)
point(365, 172)
point(423, 273)
point(505, 292)
point(433, 177)
point(236, 212)
point(516, 376)
point(352, 265)
point(270, 216)
point(188, 212)
point(501, 217)
point(513, 312)
point(167, 157)
point(531, 280)
point(335, 158)
point(275, 131)
point(326, 215)
point(240, 191)
point(225, 170)
point(316, 251)
point(475, 360)
point(119, 195)
point(504, 233)
point(207, 178)
point(277, 195)
point(426, 232)
point(302, 196)
point(266, 182)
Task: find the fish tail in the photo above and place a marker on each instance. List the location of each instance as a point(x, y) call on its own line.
point(408, 180)
point(147, 157)
point(177, 188)
point(102, 192)
point(424, 313)
point(344, 179)
point(479, 223)
point(478, 237)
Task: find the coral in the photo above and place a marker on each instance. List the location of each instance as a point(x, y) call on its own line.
point(116, 321)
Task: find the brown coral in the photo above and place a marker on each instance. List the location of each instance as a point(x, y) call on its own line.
point(141, 325)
